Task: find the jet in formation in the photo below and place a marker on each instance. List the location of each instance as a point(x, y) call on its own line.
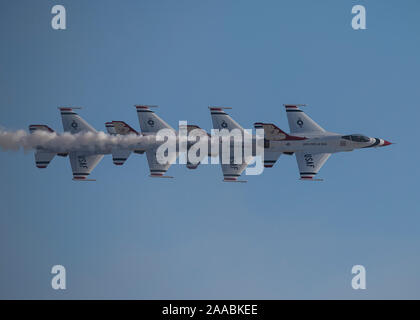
point(308, 141)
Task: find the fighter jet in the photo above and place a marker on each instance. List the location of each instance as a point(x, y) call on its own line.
point(82, 161)
point(120, 154)
point(311, 144)
point(150, 124)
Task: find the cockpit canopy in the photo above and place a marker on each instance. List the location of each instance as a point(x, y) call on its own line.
point(356, 138)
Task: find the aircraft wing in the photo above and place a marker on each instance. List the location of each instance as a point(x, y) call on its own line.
point(149, 121)
point(82, 163)
point(231, 172)
point(157, 170)
point(221, 120)
point(119, 156)
point(43, 159)
point(310, 163)
point(74, 123)
point(270, 158)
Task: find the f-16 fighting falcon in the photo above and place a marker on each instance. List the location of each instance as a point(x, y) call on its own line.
point(150, 125)
point(82, 161)
point(308, 141)
point(311, 144)
point(232, 170)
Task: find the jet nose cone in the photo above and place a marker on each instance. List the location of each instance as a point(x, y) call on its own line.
point(386, 143)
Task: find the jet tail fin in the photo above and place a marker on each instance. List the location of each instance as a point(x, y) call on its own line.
point(149, 121)
point(221, 120)
point(300, 122)
point(74, 123)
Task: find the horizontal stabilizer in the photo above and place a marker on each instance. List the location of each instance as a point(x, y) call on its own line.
point(122, 128)
point(40, 127)
point(274, 133)
point(192, 128)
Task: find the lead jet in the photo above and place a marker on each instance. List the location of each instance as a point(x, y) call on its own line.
point(311, 144)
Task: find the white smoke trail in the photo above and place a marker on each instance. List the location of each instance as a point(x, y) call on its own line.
point(20, 139)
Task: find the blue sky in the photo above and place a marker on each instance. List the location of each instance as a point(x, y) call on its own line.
point(275, 237)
